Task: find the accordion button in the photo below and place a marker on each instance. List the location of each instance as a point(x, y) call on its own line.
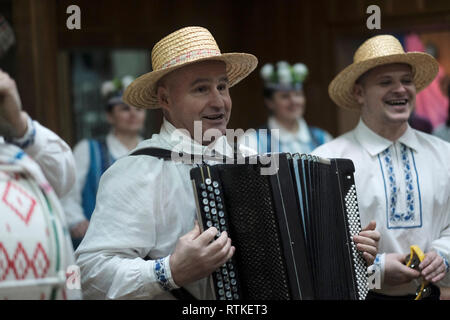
point(220, 284)
point(230, 266)
point(204, 194)
point(217, 191)
point(206, 208)
point(224, 228)
point(202, 186)
point(205, 201)
point(218, 199)
point(224, 271)
point(222, 221)
point(211, 196)
point(208, 181)
point(221, 292)
point(232, 274)
point(236, 296)
point(220, 206)
point(228, 294)
point(209, 224)
point(213, 211)
point(210, 189)
point(233, 282)
point(234, 288)
point(221, 213)
point(212, 204)
point(215, 184)
point(227, 286)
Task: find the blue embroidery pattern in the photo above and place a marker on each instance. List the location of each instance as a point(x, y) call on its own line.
point(409, 184)
point(393, 215)
point(407, 217)
point(161, 275)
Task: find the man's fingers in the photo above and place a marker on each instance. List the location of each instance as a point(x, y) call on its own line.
point(438, 278)
point(194, 233)
point(435, 273)
point(365, 240)
point(367, 248)
point(207, 236)
point(371, 226)
point(369, 258)
point(372, 234)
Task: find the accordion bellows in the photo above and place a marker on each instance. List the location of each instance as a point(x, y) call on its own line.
point(292, 229)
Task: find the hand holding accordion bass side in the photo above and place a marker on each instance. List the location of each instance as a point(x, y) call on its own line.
point(197, 254)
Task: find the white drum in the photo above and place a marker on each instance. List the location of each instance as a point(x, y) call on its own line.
point(33, 244)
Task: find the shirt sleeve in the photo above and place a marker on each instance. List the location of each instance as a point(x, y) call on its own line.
point(52, 154)
point(442, 244)
point(122, 233)
point(72, 202)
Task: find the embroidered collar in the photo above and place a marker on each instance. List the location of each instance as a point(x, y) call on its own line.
point(374, 143)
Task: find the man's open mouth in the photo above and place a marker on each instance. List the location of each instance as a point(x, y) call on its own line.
point(215, 116)
point(397, 102)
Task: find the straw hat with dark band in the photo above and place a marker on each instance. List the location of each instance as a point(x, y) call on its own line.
point(179, 49)
point(377, 51)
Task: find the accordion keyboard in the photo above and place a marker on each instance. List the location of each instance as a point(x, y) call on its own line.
point(354, 226)
point(212, 214)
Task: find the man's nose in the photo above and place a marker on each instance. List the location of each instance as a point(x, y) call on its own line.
point(400, 87)
point(216, 99)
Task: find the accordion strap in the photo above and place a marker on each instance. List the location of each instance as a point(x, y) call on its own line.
point(154, 152)
point(167, 154)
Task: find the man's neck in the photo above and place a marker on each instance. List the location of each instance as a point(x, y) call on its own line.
point(129, 140)
point(389, 131)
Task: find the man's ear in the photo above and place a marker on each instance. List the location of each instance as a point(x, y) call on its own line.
point(358, 93)
point(163, 96)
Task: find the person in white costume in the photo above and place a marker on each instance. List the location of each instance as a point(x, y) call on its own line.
point(402, 175)
point(144, 241)
point(36, 166)
point(94, 156)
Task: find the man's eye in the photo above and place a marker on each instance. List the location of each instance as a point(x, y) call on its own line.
point(221, 87)
point(407, 81)
point(201, 89)
point(385, 83)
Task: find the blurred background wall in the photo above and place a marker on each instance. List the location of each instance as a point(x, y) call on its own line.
point(58, 70)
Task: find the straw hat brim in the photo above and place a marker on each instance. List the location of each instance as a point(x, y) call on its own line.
point(141, 92)
point(425, 69)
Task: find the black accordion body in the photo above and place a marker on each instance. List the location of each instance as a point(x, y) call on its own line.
point(292, 230)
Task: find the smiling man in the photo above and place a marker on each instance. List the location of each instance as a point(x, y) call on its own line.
point(143, 241)
point(402, 175)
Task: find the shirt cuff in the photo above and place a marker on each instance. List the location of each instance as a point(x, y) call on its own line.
point(28, 138)
point(163, 274)
point(442, 255)
point(376, 272)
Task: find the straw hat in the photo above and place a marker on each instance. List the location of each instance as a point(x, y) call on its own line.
point(181, 48)
point(374, 52)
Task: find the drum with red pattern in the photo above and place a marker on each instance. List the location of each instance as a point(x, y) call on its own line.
point(32, 240)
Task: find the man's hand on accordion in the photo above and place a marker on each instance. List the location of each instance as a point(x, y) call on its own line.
point(197, 255)
point(367, 242)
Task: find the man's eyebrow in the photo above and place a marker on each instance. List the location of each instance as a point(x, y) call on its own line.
point(201, 80)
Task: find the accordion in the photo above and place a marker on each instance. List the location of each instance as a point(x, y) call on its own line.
point(292, 229)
